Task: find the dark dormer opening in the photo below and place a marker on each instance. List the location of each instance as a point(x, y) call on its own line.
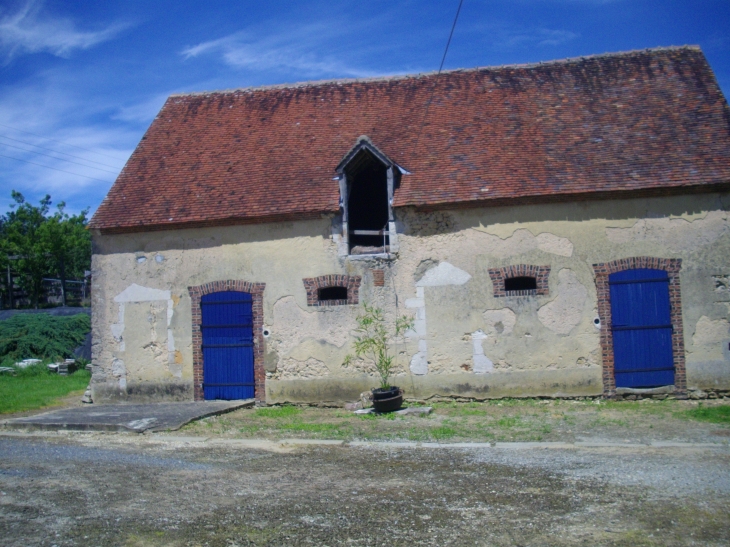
point(368, 179)
point(521, 283)
point(367, 203)
point(331, 293)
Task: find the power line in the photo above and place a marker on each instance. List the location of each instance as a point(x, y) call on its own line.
point(60, 159)
point(61, 170)
point(56, 151)
point(438, 74)
point(62, 142)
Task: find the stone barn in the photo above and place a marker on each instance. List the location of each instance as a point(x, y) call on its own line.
point(555, 230)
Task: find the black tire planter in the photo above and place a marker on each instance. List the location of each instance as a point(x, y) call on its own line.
point(387, 393)
point(387, 400)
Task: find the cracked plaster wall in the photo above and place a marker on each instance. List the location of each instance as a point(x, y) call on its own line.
point(466, 342)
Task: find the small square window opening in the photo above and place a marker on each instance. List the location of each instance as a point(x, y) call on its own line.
point(332, 293)
point(522, 283)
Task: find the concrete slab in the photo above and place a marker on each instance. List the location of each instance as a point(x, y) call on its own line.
point(137, 418)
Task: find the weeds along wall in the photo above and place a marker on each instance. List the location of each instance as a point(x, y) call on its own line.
point(471, 337)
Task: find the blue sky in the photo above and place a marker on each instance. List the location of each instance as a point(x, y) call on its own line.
point(81, 81)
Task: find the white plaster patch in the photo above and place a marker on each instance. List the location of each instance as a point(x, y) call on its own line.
point(710, 332)
point(499, 322)
point(482, 363)
point(553, 244)
point(442, 275)
point(119, 371)
point(170, 346)
point(563, 314)
point(675, 234)
point(135, 294)
point(419, 361)
point(118, 328)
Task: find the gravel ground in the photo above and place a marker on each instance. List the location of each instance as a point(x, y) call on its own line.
point(115, 489)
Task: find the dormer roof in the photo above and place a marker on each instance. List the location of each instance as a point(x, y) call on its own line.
point(364, 144)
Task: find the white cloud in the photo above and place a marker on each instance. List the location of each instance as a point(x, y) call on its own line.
point(506, 37)
point(30, 31)
point(309, 49)
point(554, 37)
point(143, 112)
point(64, 125)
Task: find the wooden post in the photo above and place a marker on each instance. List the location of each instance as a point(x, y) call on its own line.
point(390, 193)
point(344, 196)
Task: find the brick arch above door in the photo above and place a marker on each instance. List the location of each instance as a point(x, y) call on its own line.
point(257, 293)
point(602, 272)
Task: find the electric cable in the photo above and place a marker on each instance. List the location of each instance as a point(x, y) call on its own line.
point(53, 168)
point(59, 159)
point(55, 151)
point(62, 142)
point(438, 74)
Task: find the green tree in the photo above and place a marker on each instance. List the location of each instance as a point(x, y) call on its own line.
point(23, 243)
point(68, 243)
point(39, 245)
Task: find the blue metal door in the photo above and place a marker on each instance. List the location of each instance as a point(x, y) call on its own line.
point(642, 328)
point(227, 326)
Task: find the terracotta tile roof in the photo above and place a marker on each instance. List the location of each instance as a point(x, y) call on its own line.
point(617, 124)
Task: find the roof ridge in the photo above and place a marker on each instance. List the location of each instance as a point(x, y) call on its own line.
point(342, 81)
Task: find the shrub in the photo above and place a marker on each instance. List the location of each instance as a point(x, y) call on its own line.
point(41, 336)
point(373, 337)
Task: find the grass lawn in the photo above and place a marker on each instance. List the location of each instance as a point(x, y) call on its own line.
point(712, 414)
point(37, 388)
point(498, 420)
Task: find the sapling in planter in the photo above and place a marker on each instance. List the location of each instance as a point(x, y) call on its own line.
point(371, 343)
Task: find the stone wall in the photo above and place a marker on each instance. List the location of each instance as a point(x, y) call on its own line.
point(470, 339)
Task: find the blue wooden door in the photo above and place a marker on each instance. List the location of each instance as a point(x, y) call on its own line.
point(642, 329)
point(227, 326)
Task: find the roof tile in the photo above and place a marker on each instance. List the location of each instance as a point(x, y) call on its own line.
point(643, 121)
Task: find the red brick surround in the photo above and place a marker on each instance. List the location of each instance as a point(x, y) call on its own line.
point(378, 278)
point(672, 266)
point(350, 282)
point(540, 273)
point(257, 293)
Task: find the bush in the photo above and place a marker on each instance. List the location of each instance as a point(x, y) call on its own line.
point(41, 336)
point(32, 370)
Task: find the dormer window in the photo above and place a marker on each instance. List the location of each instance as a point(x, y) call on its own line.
point(367, 181)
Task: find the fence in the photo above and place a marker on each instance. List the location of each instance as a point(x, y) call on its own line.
point(77, 293)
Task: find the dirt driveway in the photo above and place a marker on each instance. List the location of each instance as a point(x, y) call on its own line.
point(115, 489)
